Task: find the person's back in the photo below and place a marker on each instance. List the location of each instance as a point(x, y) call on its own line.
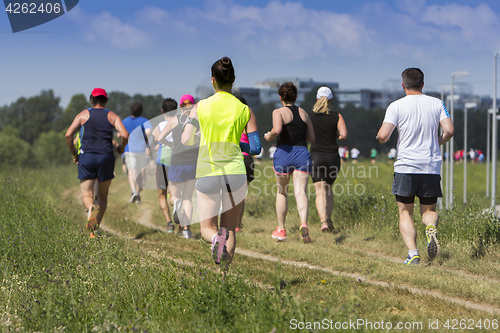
point(325, 138)
point(417, 119)
point(137, 143)
point(294, 132)
point(96, 134)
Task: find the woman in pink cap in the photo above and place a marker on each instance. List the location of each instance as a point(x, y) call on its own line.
point(182, 170)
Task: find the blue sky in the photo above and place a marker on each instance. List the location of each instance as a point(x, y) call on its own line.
point(167, 47)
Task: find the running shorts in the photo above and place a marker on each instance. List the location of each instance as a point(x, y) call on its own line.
point(226, 183)
point(181, 173)
point(96, 166)
point(290, 158)
point(325, 167)
point(426, 187)
point(161, 176)
point(249, 166)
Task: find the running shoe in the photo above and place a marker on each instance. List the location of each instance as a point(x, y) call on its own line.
point(219, 249)
point(137, 199)
point(170, 227)
point(186, 233)
point(327, 226)
point(92, 218)
point(237, 229)
point(279, 234)
point(176, 213)
point(95, 234)
point(415, 260)
point(433, 246)
point(133, 198)
point(304, 235)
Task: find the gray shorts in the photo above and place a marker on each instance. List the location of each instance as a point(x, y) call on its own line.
point(416, 184)
point(214, 184)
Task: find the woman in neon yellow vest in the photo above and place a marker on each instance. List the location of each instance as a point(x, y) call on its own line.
point(220, 171)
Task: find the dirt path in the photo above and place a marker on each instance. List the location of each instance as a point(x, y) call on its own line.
point(145, 220)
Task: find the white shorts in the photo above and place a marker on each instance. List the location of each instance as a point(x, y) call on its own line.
point(136, 161)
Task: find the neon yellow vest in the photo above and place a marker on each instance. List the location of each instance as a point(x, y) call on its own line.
point(222, 119)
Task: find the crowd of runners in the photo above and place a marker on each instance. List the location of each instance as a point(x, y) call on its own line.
point(207, 147)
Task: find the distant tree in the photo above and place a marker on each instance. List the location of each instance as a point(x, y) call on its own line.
point(14, 151)
point(50, 149)
point(32, 116)
point(77, 104)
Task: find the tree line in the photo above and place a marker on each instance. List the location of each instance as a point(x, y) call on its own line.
point(32, 129)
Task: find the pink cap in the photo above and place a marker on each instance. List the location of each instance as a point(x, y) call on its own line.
point(186, 97)
point(99, 92)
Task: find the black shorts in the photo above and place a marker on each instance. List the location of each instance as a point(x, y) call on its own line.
point(325, 167)
point(427, 187)
point(96, 166)
point(249, 166)
point(161, 177)
point(214, 184)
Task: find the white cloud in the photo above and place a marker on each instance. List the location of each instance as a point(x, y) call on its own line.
point(108, 29)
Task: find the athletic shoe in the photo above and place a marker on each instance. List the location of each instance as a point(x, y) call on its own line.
point(170, 227)
point(186, 233)
point(219, 249)
point(237, 229)
point(137, 199)
point(177, 208)
point(327, 226)
point(133, 198)
point(305, 234)
point(415, 260)
point(433, 246)
point(91, 220)
point(279, 234)
point(95, 234)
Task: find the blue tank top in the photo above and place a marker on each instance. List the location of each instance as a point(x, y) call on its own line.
point(96, 134)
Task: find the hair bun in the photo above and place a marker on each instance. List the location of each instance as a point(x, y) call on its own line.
point(226, 63)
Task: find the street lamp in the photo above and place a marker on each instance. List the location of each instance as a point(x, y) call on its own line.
point(494, 136)
point(440, 201)
point(453, 76)
point(466, 107)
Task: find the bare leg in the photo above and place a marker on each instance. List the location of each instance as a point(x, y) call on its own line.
point(300, 190)
point(281, 199)
point(102, 198)
point(407, 226)
point(162, 201)
point(87, 188)
point(429, 214)
point(321, 203)
point(187, 203)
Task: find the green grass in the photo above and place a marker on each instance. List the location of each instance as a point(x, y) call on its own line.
point(54, 278)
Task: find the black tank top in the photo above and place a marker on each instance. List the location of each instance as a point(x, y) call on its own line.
point(182, 154)
point(293, 133)
point(325, 132)
point(96, 134)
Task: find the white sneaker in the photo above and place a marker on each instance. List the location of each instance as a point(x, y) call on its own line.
point(186, 233)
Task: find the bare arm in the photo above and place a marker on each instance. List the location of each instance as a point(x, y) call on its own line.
point(116, 122)
point(168, 128)
point(73, 128)
point(252, 123)
point(190, 130)
point(341, 128)
point(448, 130)
point(310, 136)
point(385, 131)
point(277, 126)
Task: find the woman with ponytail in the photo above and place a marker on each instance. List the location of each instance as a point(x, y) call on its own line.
point(221, 174)
point(328, 127)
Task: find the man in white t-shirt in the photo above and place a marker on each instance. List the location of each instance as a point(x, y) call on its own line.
point(417, 168)
point(354, 155)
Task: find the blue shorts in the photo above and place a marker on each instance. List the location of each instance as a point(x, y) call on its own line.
point(290, 158)
point(96, 166)
point(181, 173)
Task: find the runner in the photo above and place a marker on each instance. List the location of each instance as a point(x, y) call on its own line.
point(222, 118)
point(373, 155)
point(182, 170)
point(325, 158)
point(418, 165)
point(164, 154)
point(96, 160)
point(293, 128)
point(136, 150)
point(354, 155)
point(249, 167)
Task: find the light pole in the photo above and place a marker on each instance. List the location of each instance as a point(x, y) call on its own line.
point(467, 106)
point(453, 76)
point(440, 201)
point(494, 136)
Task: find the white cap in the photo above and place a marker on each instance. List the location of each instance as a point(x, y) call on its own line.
point(324, 91)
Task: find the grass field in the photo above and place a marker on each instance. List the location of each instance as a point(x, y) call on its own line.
point(138, 279)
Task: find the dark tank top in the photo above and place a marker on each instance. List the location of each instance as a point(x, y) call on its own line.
point(325, 132)
point(293, 133)
point(96, 134)
point(182, 154)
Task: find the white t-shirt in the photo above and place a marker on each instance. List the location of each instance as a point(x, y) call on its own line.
point(354, 153)
point(417, 119)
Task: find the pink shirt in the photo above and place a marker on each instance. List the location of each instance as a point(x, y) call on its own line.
point(244, 139)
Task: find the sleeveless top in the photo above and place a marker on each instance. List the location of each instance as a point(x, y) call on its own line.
point(293, 133)
point(325, 131)
point(96, 134)
point(182, 154)
point(223, 119)
point(164, 151)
